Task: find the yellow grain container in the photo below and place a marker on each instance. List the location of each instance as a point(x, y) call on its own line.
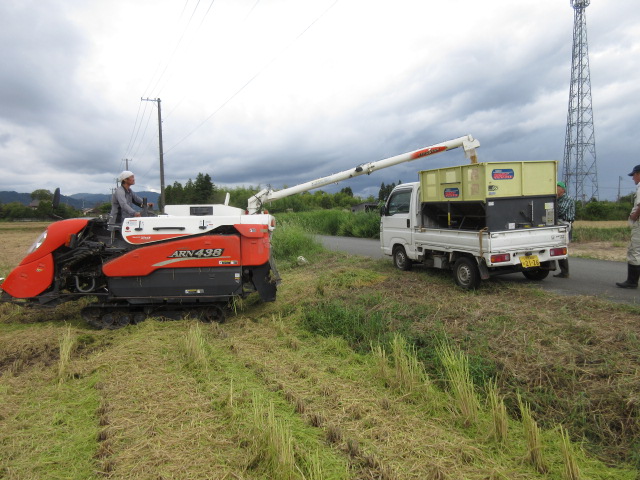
point(485, 181)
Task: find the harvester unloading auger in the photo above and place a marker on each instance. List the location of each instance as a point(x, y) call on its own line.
point(193, 258)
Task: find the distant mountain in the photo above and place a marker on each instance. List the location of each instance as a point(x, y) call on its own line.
point(92, 199)
point(77, 200)
point(10, 197)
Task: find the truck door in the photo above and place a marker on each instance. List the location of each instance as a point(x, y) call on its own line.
point(396, 222)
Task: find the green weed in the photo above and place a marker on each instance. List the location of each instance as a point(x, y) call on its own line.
point(67, 343)
point(499, 416)
point(532, 436)
point(456, 366)
point(275, 451)
point(195, 345)
point(290, 241)
point(352, 322)
point(410, 375)
point(571, 469)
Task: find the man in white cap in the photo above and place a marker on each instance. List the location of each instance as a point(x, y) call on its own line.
point(123, 199)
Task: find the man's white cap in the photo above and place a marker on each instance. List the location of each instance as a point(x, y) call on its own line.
point(124, 175)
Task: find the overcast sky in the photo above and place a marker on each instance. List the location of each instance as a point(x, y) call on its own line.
point(279, 92)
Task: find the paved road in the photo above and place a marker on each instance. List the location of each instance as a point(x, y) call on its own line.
point(588, 277)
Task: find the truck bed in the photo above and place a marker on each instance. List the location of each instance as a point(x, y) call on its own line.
point(536, 241)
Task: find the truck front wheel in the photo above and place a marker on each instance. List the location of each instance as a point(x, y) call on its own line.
point(466, 273)
point(400, 259)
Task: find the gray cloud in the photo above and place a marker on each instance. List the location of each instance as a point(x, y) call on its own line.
point(347, 91)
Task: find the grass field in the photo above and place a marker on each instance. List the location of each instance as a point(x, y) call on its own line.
point(357, 371)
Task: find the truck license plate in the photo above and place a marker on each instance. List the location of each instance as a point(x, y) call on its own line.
point(529, 261)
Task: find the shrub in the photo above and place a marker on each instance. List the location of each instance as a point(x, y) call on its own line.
point(290, 241)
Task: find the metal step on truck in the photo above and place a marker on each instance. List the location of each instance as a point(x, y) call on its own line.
point(477, 220)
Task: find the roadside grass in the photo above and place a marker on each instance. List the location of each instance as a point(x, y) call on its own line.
point(367, 225)
point(291, 240)
point(336, 222)
point(620, 235)
point(350, 374)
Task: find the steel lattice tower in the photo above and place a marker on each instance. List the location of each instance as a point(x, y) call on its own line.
point(579, 171)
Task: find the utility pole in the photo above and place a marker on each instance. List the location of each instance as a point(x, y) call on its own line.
point(619, 182)
point(126, 163)
point(161, 150)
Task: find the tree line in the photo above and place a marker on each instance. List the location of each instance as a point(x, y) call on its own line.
point(202, 190)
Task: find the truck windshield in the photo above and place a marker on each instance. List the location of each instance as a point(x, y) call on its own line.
point(399, 202)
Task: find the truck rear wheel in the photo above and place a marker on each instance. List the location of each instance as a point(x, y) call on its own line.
point(537, 275)
point(466, 273)
point(400, 259)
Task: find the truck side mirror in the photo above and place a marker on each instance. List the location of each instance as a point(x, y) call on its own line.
point(383, 210)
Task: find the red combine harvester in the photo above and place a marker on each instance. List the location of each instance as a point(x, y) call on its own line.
point(192, 258)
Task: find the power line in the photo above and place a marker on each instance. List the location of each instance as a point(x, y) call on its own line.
point(136, 132)
point(135, 153)
point(273, 59)
point(159, 76)
point(138, 140)
point(252, 9)
point(179, 43)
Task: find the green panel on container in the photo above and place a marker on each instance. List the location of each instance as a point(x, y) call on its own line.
point(543, 175)
point(429, 184)
point(503, 179)
point(482, 181)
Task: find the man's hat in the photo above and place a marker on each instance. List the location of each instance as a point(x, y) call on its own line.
point(635, 169)
point(562, 184)
point(124, 175)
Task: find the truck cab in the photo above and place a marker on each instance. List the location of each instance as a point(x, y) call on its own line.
point(399, 217)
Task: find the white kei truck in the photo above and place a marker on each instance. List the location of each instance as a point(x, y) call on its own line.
point(477, 220)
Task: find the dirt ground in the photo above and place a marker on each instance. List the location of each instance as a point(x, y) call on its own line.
point(599, 250)
point(613, 251)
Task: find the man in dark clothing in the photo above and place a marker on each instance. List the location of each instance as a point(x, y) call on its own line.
point(566, 215)
point(123, 199)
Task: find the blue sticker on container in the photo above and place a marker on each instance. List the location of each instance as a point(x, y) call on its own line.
point(451, 193)
point(502, 174)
